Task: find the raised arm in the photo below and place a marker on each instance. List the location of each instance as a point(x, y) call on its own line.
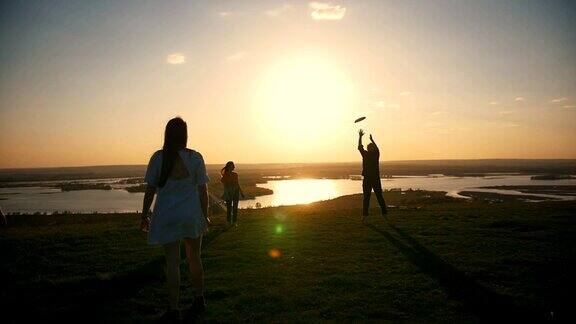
point(360, 134)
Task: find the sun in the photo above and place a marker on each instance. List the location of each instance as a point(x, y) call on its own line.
point(304, 98)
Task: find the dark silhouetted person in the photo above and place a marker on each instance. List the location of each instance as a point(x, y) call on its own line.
point(371, 174)
point(232, 192)
point(177, 175)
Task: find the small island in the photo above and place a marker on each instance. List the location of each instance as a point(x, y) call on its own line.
point(552, 177)
point(250, 191)
point(137, 188)
point(70, 186)
point(136, 180)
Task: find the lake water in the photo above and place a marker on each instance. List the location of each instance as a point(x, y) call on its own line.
point(303, 191)
point(286, 192)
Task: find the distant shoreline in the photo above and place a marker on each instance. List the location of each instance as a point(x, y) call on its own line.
point(256, 172)
point(271, 164)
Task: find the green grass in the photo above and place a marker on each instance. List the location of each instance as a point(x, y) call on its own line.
point(437, 260)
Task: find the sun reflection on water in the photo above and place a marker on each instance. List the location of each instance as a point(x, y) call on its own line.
point(303, 191)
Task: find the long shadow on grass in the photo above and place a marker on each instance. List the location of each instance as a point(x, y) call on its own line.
point(91, 300)
point(487, 305)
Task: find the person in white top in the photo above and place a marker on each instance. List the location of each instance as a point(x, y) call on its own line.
point(177, 176)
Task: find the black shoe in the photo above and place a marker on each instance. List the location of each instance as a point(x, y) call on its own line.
point(170, 316)
point(196, 310)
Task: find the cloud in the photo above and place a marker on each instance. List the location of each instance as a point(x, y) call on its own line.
point(176, 58)
point(494, 103)
point(225, 14)
point(557, 100)
point(506, 112)
point(278, 11)
point(519, 99)
point(405, 93)
point(384, 105)
point(236, 56)
point(502, 124)
point(569, 106)
point(439, 112)
point(326, 11)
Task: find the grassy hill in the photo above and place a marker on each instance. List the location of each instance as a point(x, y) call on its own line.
point(435, 260)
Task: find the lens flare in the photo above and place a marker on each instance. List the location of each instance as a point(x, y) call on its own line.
point(279, 229)
point(274, 253)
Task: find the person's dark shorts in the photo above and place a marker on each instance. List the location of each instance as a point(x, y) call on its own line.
point(371, 183)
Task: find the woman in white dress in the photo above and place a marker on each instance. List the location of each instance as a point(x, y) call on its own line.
point(177, 176)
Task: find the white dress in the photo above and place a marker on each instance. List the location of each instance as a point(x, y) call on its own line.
point(177, 212)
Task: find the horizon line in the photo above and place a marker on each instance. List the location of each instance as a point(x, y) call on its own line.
point(298, 163)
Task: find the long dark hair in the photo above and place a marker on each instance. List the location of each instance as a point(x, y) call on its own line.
point(175, 138)
point(227, 168)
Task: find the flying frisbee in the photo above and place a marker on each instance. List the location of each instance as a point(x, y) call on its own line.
point(359, 119)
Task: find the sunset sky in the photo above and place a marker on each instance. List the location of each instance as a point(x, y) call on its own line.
point(94, 82)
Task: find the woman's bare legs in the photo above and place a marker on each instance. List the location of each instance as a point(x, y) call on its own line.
point(172, 251)
point(229, 212)
point(235, 211)
point(193, 247)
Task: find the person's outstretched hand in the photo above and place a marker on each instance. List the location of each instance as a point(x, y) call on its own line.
point(371, 138)
point(361, 132)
